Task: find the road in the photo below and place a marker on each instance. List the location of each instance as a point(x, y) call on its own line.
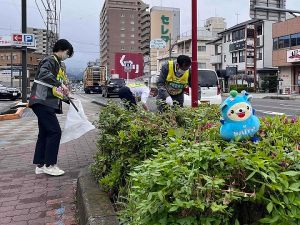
point(263, 107)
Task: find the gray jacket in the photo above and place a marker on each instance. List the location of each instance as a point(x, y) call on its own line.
point(41, 94)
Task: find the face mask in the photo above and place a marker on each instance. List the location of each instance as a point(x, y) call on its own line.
point(65, 56)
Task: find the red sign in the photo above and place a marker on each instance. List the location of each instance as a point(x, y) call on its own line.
point(137, 64)
point(17, 37)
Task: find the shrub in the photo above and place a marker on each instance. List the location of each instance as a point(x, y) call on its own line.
point(217, 182)
point(127, 138)
point(173, 168)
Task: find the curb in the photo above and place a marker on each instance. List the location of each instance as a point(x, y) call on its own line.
point(16, 115)
point(280, 97)
point(94, 205)
point(99, 103)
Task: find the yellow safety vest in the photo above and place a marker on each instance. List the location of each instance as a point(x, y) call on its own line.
point(133, 85)
point(174, 84)
point(62, 77)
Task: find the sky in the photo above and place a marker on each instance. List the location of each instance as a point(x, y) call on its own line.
point(80, 20)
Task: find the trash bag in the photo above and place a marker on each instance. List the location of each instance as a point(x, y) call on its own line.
point(76, 123)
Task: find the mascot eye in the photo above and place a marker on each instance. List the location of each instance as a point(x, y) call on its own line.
point(232, 111)
point(248, 107)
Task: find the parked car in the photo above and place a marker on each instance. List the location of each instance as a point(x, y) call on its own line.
point(112, 87)
point(209, 85)
point(9, 93)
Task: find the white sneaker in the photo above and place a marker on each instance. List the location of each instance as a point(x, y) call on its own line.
point(39, 170)
point(53, 170)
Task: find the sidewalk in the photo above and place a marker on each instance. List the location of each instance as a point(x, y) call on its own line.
point(29, 199)
point(270, 96)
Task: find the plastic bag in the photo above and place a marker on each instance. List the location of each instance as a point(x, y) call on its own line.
point(76, 123)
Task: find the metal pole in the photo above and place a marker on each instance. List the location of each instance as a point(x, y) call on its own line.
point(11, 66)
point(24, 54)
point(194, 55)
point(255, 58)
point(127, 77)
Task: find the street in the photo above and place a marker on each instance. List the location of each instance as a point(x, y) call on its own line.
point(263, 107)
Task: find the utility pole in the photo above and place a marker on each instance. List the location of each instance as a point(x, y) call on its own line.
point(194, 55)
point(24, 53)
point(11, 65)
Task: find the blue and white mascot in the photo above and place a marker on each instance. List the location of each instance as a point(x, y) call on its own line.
point(239, 121)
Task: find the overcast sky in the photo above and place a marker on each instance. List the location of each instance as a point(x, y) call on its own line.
point(80, 20)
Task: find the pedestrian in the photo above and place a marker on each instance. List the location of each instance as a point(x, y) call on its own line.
point(48, 91)
point(174, 77)
point(133, 92)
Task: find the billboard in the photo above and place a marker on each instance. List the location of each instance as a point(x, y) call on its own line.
point(5, 40)
point(136, 60)
point(268, 14)
point(293, 55)
point(23, 40)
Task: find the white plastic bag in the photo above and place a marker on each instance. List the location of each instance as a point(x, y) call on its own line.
point(76, 123)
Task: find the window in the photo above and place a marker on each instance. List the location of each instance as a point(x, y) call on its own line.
point(275, 43)
point(122, 28)
point(132, 16)
point(224, 58)
point(284, 41)
point(132, 29)
point(224, 38)
point(228, 38)
point(14, 57)
point(294, 39)
point(122, 35)
point(122, 22)
point(122, 15)
point(132, 35)
point(259, 54)
point(234, 57)
point(259, 30)
point(122, 41)
point(132, 42)
point(201, 48)
point(122, 48)
point(7, 57)
point(241, 56)
point(132, 48)
point(201, 65)
point(132, 22)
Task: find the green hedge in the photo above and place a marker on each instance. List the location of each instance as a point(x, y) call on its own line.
point(241, 87)
point(174, 168)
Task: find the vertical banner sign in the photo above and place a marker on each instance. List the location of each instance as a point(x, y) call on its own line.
point(165, 31)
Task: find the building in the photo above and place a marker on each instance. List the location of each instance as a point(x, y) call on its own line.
point(286, 54)
point(123, 29)
point(12, 58)
point(235, 48)
point(165, 24)
point(40, 39)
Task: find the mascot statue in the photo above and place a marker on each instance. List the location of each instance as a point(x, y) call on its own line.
point(239, 121)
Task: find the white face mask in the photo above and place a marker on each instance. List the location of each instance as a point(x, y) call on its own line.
point(65, 56)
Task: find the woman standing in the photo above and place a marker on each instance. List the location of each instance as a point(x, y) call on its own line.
point(48, 91)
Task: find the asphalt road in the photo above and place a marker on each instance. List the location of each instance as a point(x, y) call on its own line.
point(263, 107)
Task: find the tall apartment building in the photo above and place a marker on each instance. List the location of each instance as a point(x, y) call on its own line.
point(40, 38)
point(123, 29)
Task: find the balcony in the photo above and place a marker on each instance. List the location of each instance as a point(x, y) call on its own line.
point(216, 59)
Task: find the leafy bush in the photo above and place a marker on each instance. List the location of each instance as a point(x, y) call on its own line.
point(127, 138)
point(173, 168)
point(241, 87)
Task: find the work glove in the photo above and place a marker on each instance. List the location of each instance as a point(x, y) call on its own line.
point(169, 100)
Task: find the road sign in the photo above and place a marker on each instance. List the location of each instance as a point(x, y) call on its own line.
point(158, 43)
point(127, 67)
point(23, 40)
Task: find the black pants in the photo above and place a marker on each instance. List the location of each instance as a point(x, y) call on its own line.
point(127, 97)
point(47, 145)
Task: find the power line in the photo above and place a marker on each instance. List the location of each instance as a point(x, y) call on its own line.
point(40, 13)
